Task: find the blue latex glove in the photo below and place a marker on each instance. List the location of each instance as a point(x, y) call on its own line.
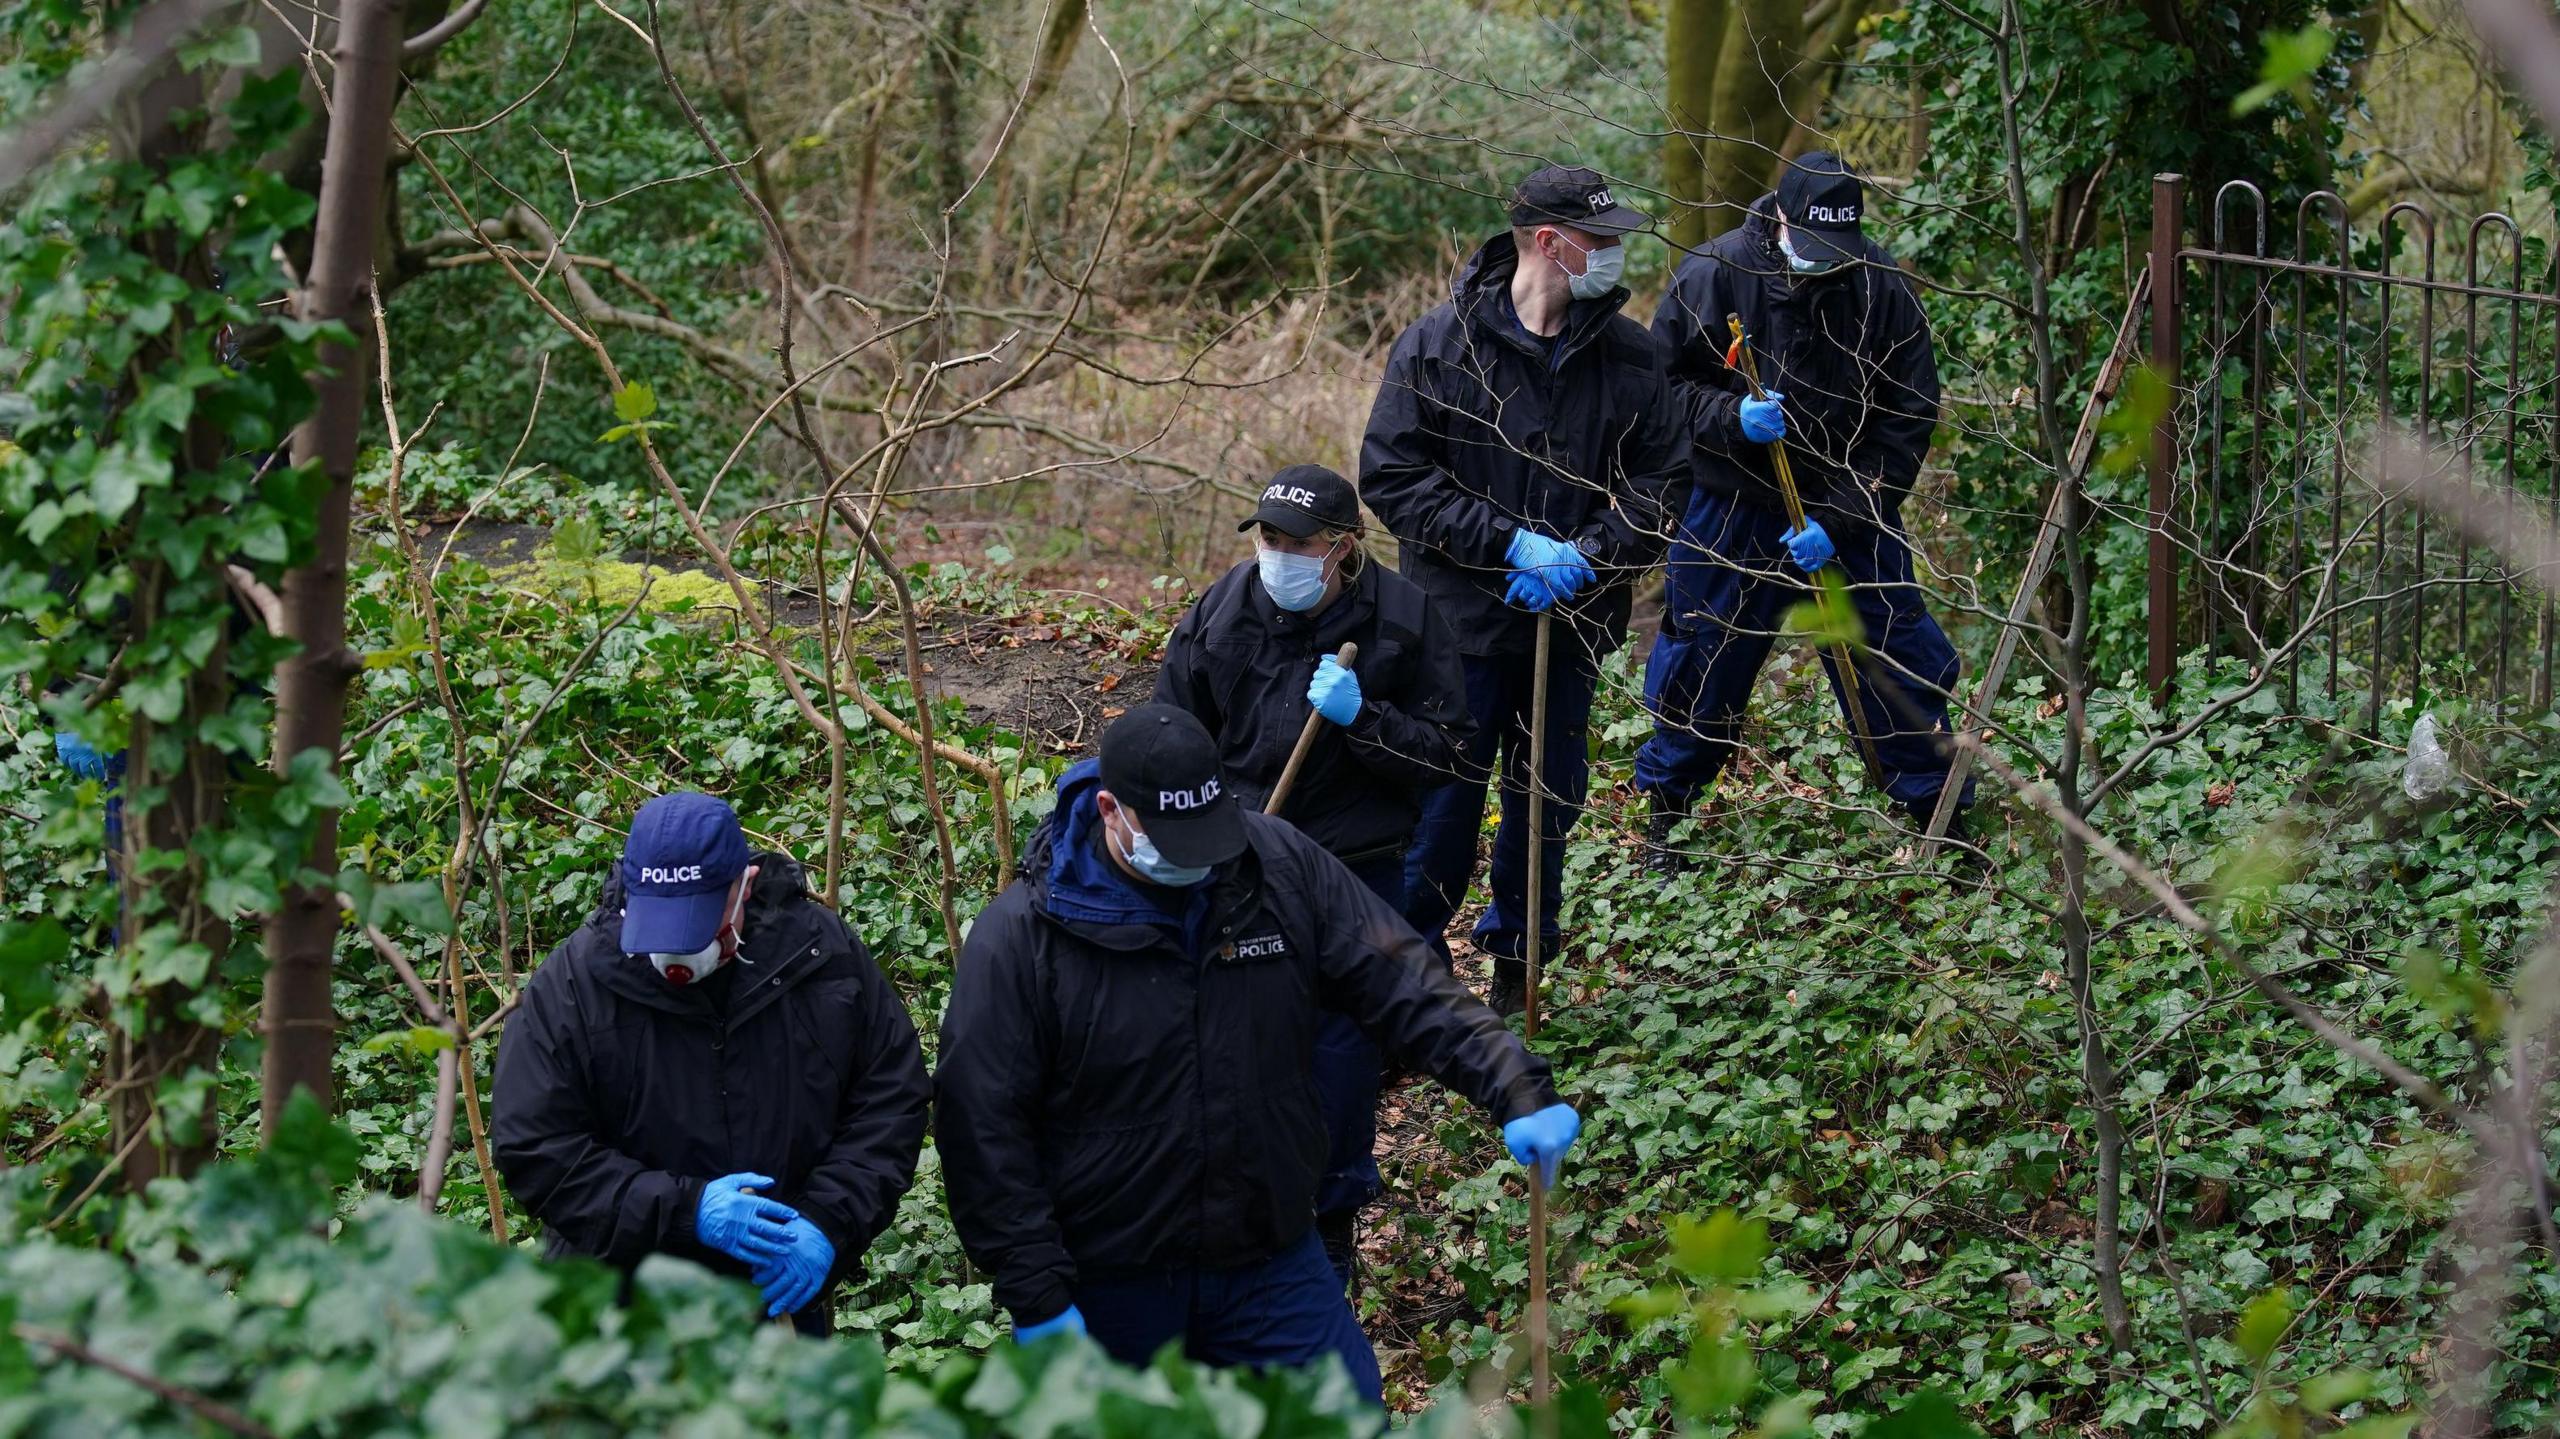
point(1071, 1322)
point(1810, 547)
point(741, 1225)
point(80, 757)
point(792, 1278)
point(1335, 692)
point(1530, 591)
point(1540, 1140)
point(1562, 567)
point(1764, 420)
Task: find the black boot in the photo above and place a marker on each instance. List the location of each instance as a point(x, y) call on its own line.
point(1339, 1232)
point(1661, 859)
point(1510, 994)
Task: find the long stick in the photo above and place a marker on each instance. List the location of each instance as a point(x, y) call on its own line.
point(1541, 1363)
point(1841, 660)
point(1306, 741)
point(2039, 560)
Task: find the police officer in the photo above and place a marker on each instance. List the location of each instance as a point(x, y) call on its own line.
point(712, 1067)
point(1526, 453)
point(1845, 354)
point(1251, 661)
point(1126, 1113)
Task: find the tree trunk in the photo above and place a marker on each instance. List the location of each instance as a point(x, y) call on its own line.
point(166, 1039)
point(1763, 44)
point(1058, 39)
point(162, 1036)
point(311, 687)
point(1826, 55)
point(1692, 37)
point(946, 96)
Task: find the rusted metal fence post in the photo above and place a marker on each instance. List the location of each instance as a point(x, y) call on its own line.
point(2168, 225)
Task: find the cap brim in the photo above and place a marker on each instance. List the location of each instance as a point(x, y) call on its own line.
point(1621, 220)
point(1287, 519)
point(1206, 837)
point(671, 924)
point(1831, 247)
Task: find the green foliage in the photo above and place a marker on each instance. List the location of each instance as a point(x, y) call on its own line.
point(603, 142)
point(2292, 60)
point(400, 1324)
point(152, 404)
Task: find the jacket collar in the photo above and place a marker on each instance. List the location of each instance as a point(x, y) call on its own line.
point(1074, 886)
point(1481, 293)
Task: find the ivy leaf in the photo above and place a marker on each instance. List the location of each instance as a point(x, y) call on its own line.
point(193, 196)
point(308, 1148)
point(2328, 1393)
point(2288, 66)
point(31, 954)
point(418, 1040)
point(120, 478)
point(310, 784)
point(233, 48)
point(2138, 407)
point(1929, 1415)
point(1725, 1246)
point(2263, 1323)
point(165, 406)
point(1865, 1365)
point(634, 402)
point(263, 539)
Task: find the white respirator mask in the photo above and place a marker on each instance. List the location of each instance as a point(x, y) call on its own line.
point(684, 969)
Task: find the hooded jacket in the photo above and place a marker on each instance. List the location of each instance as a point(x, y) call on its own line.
point(1241, 665)
point(1851, 352)
point(1127, 1074)
point(619, 1096)
point(1480, 428)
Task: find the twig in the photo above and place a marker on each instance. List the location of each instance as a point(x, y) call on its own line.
point(2408, 1081)
point(440, 1133)
point(426, 42)
point(211, 1410)
point(154, 37)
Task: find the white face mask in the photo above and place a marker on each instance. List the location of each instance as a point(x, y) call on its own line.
point(1601, 268)
point(1799, 263)
point(684, 969)
point(1296, 582)
point(1154, 868)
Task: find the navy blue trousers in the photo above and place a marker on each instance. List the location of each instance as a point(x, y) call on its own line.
point(1288, 1310)
point(1730, 585)
point(1443, 858)
point(1347, 1070)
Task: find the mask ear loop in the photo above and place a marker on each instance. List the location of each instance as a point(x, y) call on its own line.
point(737, 926)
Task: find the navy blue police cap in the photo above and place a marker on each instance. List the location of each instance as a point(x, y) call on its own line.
point(684, 853)
point(1159, 762)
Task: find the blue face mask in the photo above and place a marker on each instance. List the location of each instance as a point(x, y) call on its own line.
point(1799, 263)
point(1154, 868)
point(1295, 582)
point(1601, 269)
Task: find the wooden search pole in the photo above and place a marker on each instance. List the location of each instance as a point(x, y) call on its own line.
point(1306, 740)
point(1541, 1362)
point(2075, 464)
point(1744, 360)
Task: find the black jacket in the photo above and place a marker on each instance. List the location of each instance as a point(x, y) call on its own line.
point(1124, 1090)
point(1478, 429)
point(1241, 664)
point(619, 1096)
point(1851, 352)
